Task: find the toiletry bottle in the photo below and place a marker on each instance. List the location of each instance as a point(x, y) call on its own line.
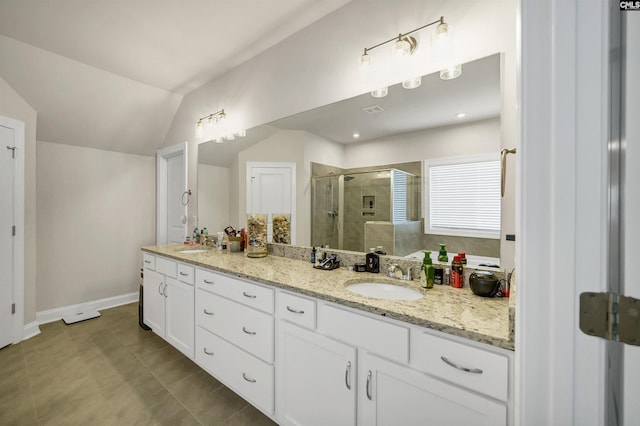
point(373, 261)
point(457, 273)
point(438, 276)
point(427, 272)
point(196, 235)
point(447, 277)
point(380, 251)
point(463, 257)
point(313, 255)
point(442, 254)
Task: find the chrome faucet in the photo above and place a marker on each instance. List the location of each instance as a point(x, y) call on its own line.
point(391, 272)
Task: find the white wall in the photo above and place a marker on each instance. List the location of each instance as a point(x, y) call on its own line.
point(14, 106)
point(95, 210)
point(465, 139)
point(213, 197)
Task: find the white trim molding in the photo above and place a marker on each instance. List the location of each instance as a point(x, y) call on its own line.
point(51, 315)
point(161, 189)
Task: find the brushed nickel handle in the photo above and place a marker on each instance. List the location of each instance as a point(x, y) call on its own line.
point(295, 311)
point(250, 296)
point(248, 331)
point(207, 352)
point(244, 376)
point(459, 367)
point(147, 261)
point(368, 387)
point(160, 289)
point(184, 274)
point(209, 282)
point(164, 290)
point(503, 168)
point(347, 376)
point(207, 312)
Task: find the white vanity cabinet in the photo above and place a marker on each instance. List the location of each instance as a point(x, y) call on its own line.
point(235, 335)
point(169, 301)
point(357, 368)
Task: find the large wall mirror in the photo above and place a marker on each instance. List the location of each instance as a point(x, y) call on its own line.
point(363, 142)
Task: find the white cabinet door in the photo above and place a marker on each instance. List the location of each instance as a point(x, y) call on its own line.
point(392, 394)
point(180, 315)
point(316, 379)
point(153, 309)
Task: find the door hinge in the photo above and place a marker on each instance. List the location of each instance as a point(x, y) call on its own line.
point(13, 309)
point(610, 316)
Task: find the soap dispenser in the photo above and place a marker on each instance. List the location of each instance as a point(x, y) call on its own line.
point(442, 254)
point(427, 271)
point(373, 261)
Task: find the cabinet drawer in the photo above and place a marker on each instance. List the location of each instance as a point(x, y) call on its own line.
point(452, 361)
point(186, 273)
point(166, 267)
point(247, 328)
point(249, 294)
point(248, 376)
point(380, 337)
point(296, 309)
point(149, 261)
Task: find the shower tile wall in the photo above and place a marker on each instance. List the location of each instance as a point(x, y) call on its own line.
point(357, 212)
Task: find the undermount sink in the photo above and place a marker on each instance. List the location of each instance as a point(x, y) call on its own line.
point(189, 251)
point(384, 291)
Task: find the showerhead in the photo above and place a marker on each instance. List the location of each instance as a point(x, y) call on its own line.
point(347, 178)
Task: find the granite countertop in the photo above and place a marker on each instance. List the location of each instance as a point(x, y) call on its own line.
point(454, 311)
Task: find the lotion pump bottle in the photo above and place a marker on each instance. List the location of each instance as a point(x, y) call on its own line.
point(427, 271)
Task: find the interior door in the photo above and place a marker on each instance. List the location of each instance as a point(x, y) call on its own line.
point(172, 195)
point(7, 164)
point(271, 189)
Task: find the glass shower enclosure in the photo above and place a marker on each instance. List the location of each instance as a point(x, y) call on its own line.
point(343, 204)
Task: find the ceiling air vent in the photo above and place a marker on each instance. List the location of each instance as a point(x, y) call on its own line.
point(373, 109)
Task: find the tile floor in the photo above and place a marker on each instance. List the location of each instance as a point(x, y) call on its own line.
point(108, 371)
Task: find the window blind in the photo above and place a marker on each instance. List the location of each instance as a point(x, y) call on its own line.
point(399, 208)
point(465, 197)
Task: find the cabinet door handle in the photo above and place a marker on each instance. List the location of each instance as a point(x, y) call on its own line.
point(248, 331)
point(244, 376)
point(184, 274)
point(295, 311)
point(368, 387)
point(207, 352)
point(207, 312)
point(347, 376)
point(250, 296)
point(160, 289)
point(209, 282)
point(459, 367)
point(147, 261)
point(164, 290)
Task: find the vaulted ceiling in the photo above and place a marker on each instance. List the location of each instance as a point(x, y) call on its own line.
point(111, 74)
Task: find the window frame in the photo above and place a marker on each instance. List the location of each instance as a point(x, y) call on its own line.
point(426, 196)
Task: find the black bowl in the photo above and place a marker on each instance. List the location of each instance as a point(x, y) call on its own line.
point(484, 283)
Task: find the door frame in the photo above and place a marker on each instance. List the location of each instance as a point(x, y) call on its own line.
point(18, 214)
point(561, 205)
point(294, 196)
point(162, 158)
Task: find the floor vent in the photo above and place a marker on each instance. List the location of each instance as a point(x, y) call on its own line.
point(80, 316)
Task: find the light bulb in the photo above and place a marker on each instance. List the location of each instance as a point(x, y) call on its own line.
point(380, 93)
point(230, 137)
point(461, 115)
point(199, 130)
point(451, 72)
point(219, 139)
point(412, 83)
point(241, 133)
point(402, 48)
point(442, 31)
point(365, 60)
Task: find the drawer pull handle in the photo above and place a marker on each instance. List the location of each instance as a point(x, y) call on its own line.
point(147, 261)
point(295, 311)
point(368, 387)
point(250, 296)
point(184, 274)
point(209, 282)
point(207, 352)
point(454, 365)
point(244, 376)
point(347, 376)
point(207, 312)
point(248, 331)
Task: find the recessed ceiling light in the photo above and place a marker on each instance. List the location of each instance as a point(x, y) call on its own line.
point(356, 135)
point(461, 115)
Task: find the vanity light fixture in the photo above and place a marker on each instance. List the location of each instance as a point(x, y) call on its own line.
point(405, 45)
point(214, 125)
point(461, 115)
point(451, 72)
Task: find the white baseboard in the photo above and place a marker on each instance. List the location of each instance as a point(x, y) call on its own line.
point(56, 314)
point(30, 330)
